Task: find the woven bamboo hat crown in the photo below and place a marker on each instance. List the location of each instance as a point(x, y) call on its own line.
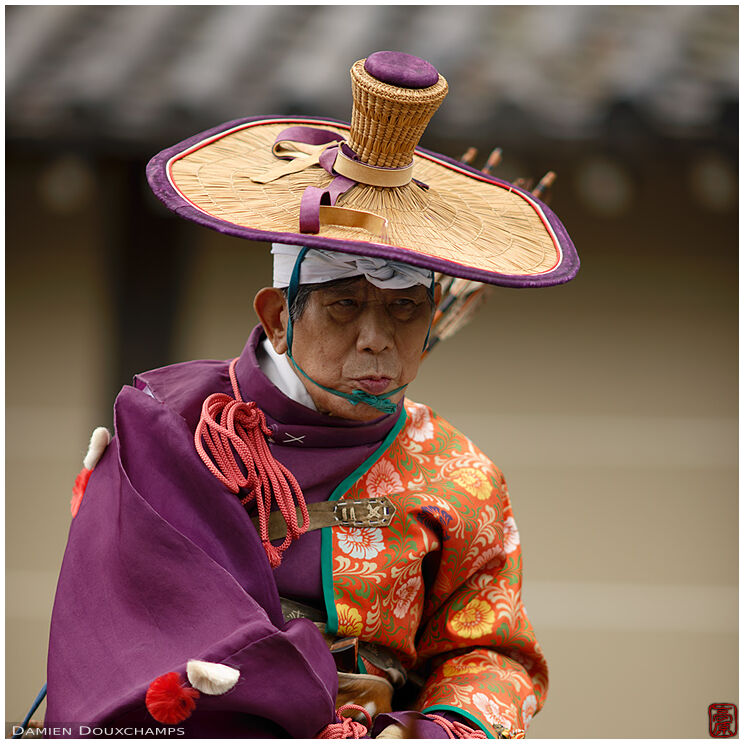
point(366, 187)
point(394, 99)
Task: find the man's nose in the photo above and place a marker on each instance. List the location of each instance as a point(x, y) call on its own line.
point(375, 329)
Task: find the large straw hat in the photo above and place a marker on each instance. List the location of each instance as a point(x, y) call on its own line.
point(366, 188)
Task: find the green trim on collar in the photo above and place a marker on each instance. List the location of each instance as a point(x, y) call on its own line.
point(326, 546)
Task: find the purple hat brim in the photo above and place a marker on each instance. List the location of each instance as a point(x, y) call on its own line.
point(158, 177)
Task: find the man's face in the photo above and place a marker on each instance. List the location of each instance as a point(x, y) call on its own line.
point(354, 335)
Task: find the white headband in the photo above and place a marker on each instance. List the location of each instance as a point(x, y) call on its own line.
point(324, 266)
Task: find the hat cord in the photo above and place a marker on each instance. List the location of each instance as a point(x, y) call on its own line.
point(380, 402)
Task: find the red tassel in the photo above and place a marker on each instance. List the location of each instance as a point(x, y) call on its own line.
point(78, 490)
point(274, 556)
point(168, 700)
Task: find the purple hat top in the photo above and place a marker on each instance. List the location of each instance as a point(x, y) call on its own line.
point(401, 69)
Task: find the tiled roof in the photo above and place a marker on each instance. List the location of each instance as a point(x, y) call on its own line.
point(142, 72)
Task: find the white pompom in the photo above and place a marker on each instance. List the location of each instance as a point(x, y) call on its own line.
point(99, 440)
point(210, 678)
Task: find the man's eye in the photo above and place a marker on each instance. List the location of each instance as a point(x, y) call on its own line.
point(346, 303)
point(403, 304)
point(404, 308)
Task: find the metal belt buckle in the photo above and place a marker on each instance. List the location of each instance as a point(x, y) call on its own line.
point(375, 512)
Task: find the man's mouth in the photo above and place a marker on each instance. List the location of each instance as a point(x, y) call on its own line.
point(374, 385)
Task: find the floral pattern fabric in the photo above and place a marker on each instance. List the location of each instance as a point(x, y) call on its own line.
point(441, 586)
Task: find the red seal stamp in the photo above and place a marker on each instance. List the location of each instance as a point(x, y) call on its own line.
point(722, 720)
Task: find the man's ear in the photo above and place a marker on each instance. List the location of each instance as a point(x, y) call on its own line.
point(271, 307)
point(437, 293)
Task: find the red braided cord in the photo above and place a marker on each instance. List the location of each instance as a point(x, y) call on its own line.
point(348, 728)
point(241, 430)
point(455, 729)
point(234, 380)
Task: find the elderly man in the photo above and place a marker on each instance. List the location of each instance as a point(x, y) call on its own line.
point(283, 543)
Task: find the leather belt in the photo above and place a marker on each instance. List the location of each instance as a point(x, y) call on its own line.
point(373, 512)
point(292, 610)
point(378, 660)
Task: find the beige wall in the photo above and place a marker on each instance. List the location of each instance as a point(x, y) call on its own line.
point(610, 404)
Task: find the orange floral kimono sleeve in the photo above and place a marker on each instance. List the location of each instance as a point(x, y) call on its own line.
point(484, 661)
point(441, 586)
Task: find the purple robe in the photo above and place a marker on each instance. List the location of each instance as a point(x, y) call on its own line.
point(163, 565)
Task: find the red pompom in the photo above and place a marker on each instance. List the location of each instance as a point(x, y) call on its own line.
point(168, 700)
point(79, 489)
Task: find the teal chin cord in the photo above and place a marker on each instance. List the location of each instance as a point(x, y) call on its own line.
point(381, 402)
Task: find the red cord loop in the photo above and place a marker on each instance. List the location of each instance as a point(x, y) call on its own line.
point(235, 434)
point(347, 728)
point(455, 729)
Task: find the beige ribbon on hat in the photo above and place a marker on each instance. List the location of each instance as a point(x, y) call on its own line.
point(345, 217)
point(303, 155)
point(370, 174)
